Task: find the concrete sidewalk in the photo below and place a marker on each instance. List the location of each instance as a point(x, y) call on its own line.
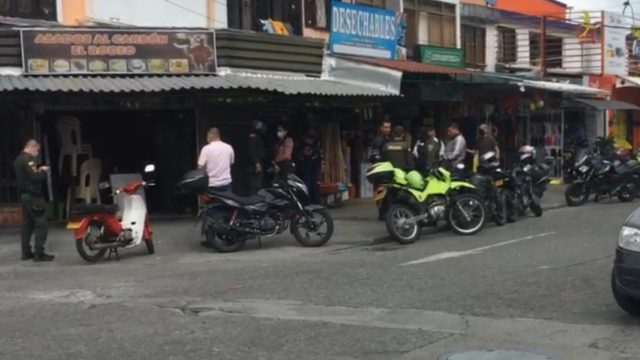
point(364, 209)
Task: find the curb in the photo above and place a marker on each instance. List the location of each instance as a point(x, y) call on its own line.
point(554, 206)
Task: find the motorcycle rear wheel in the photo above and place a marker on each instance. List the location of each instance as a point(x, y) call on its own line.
point(576, 194)
point(85, 251)
point(150, 248)
point(464, 205)
point(398, 226)
point(323, 236)
point(223, 243)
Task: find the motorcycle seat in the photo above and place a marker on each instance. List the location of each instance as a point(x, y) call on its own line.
point(242, 200)
point(88, 209)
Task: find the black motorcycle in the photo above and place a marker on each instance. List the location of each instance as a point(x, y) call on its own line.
point(496, 187)
point(531, 183)
point(601, 177)
point(230, 220)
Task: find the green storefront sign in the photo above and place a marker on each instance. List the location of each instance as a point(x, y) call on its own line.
point(444, 56)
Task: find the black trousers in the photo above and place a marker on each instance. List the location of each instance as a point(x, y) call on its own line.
point(255, 182)
point(286, 167)
point(34, 221)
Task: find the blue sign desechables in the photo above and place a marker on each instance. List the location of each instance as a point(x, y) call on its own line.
point(366, 31)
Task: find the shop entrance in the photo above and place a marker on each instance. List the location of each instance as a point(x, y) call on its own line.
point(125, 141)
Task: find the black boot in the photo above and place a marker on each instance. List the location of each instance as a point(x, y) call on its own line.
point(27, 255)
point(43, 257)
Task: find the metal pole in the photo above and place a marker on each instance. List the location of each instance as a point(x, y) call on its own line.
point(602, 45)
point(543, 31)
point(561, 145)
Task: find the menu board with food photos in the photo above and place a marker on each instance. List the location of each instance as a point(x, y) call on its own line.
point(84, 51)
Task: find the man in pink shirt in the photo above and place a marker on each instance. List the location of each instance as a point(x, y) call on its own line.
point(216, 158)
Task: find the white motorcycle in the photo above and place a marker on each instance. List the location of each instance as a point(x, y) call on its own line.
point(99, 229)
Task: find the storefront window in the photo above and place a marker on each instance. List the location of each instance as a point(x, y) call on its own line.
point(441, 20)
point(377, 3)
point(474, 45)
point(29, 9)
point(507, 45)
point(317, 13)
point(552, 51)
point(247, 14)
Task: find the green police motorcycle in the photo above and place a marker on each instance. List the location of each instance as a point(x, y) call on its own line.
point(410, 200)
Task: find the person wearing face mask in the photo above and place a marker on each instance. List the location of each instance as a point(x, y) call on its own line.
point(34, 220)
point(284, 151)
point(255, 156)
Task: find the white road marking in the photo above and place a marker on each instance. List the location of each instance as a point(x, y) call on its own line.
point(456, 254)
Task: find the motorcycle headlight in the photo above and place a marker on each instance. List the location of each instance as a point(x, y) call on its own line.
point(629, 239)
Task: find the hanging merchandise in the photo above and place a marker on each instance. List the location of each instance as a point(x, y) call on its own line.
point(334, 157)
point(619, 130)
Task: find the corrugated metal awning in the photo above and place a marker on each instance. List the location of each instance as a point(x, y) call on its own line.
point(157, 84)
point(561, 87)
point(410, 66)
point(607, 104)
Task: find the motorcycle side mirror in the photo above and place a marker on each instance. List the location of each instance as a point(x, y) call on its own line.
point(149, 168)
point(104, 185)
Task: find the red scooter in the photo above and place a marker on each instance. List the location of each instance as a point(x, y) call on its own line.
point(98, 228)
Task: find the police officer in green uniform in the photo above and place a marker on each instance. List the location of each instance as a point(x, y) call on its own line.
point(398, 150)
point(34, 220)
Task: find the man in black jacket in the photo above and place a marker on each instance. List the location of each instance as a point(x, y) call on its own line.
point(34, 220)
point(379, 143)
point(255, 156)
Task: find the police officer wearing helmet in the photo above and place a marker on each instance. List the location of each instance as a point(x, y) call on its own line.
point(527, 154)
point(34, 220)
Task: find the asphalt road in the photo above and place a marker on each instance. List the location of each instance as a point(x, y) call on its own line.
point(540, 285)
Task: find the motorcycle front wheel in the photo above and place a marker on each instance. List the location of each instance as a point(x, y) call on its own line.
point(628, 192)
point(535, 207)
point(576, 194)
point(521, 208)
point(315, 231)
point(224, 243)
point(512, 206)
point(399, 225)
point(500, 208)
point(467, 214)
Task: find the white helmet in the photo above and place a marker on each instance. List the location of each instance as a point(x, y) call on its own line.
point(527, 152)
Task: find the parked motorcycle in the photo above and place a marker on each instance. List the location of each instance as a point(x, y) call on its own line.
point(531, 181)
point(414, 200)
point(600, 177)
point(98, 229)
point(496, 188)
point(228, 220)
